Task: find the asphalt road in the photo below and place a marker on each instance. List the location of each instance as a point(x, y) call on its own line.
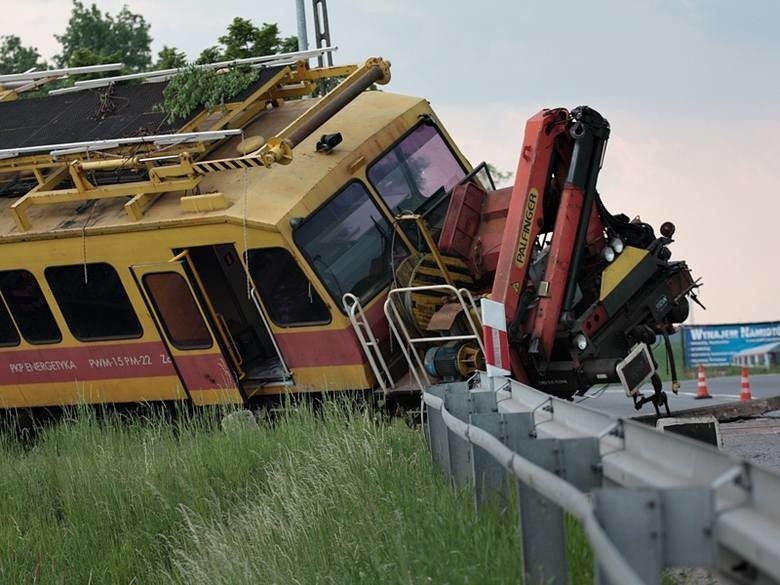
point(613, 399)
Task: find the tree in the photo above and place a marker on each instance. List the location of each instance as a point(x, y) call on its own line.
point(194, 89)
point(209, 55)
point(93, 37)
point(170, 58)
point(14, 58)
point(243, 40)
point(500, 177)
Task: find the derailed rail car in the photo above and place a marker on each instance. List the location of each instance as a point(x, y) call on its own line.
point(196, 272)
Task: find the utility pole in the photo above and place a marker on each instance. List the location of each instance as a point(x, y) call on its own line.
point(303, 41)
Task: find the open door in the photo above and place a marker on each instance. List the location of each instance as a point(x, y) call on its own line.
point(194, 350)
point(220, 281)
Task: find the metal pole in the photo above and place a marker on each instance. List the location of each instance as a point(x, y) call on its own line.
point(375, 72)
point(303, 41)
point(321, 29)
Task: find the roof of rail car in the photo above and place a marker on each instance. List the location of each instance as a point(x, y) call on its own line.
point(271, 194)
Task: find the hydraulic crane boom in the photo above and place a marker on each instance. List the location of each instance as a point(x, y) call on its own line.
point(583, 292)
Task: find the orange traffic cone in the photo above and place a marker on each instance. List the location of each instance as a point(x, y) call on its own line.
point(744, 391)
point(701, 385)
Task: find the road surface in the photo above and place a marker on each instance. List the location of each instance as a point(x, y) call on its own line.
point(613, 399)
point(757, 440)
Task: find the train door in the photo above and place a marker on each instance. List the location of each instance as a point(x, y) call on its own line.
point(232, 304)
point(191, 343)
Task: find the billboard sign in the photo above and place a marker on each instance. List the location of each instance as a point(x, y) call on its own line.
point(740, 344)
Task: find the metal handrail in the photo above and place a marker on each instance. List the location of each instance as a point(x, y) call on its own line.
point(407, 342)
point(370, 346)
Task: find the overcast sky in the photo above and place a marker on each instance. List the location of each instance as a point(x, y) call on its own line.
point(691, 88)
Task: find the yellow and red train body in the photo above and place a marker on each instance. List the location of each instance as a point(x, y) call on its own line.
point(201, 301)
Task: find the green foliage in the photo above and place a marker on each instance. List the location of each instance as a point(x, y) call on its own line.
point(15, 58)
point(288, 44)
point(243, 40)
point(170, 58)
point(500, 177)
point(194, 89)
point(93, 37)
point(209, 55)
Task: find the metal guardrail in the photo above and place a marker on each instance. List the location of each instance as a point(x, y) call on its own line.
point(647, 500)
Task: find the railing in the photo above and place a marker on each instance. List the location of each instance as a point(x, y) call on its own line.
point(408, 342)
point(368, 341)
point(647, 500)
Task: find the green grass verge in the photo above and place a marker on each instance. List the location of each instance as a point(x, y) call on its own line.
point(338, 497)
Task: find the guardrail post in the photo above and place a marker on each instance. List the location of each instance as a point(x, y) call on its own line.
point(581, 463)
point(489, 474)
point(458, 402)
point(436, 432)
point(672, 527)
point(542, 526)
point(637, 539)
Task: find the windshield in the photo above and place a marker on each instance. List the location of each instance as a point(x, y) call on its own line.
point(348, 243)
point(419, 166)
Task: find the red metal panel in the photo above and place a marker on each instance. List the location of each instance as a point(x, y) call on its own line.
point(333, 347)
point(525, 218)
point(462, 220)
point(525, 214)
point(548, 310)
point(207, 371)
point(320, 348)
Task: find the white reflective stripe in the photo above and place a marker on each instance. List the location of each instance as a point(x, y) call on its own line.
point(494, 336)
point(496, 347)
point(493, 314)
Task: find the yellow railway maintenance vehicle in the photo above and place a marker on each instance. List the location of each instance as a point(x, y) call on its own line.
point(288, 243)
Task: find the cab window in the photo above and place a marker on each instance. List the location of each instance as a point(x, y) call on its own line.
point(28, 306)
point(286, 292)
point(419, 169)
point(93, 301)
point(349, 244)
point(8, 333)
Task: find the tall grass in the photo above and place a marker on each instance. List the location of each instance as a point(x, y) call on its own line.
point(332, 497)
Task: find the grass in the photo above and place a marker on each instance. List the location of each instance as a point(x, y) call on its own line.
point(334, 497)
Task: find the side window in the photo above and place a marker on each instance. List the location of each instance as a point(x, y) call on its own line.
point(286, 292)
point(420, 166)
point(94, 303)
point(174, 303)
point(28, 306)
point(348, 243)
point(8, 333)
